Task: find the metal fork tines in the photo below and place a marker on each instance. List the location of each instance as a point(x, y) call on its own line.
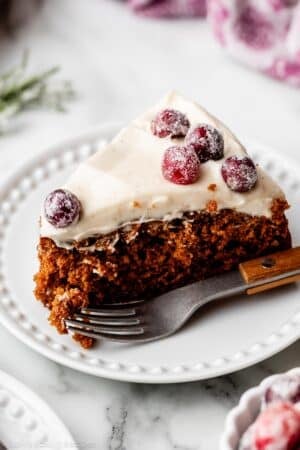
point(113, 321)
point(145, 321)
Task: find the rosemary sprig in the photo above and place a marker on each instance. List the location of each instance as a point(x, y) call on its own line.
point(19, 92)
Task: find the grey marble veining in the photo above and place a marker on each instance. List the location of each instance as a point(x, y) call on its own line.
point(111, 415)
point(120, 64)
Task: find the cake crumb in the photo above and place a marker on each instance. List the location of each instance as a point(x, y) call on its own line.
point(84, 341)
point(212, 206)
point(136, 204)
point(212, 187)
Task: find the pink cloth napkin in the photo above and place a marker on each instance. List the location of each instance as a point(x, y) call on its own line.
point(262, 33)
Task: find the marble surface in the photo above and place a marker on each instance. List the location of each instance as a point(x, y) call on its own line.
point(119, 65)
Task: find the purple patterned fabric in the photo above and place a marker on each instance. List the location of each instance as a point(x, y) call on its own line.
point(169, 8)
point(262, 33)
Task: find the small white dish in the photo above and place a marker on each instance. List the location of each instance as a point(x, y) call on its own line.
point(242, 416)
point(27, 422)
point(226, 337)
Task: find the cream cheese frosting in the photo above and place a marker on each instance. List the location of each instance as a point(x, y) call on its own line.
point(123, 182)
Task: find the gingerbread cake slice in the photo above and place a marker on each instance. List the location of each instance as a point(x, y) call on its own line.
point(174, 198)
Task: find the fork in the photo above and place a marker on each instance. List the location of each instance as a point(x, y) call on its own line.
point(145, 321)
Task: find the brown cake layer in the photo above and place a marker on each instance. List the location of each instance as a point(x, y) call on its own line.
point(142, 260)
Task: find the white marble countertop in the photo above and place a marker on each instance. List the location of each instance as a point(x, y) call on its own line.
point(119, 65)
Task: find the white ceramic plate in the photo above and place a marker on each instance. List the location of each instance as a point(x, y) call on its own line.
point(26, 422)
point(243, 415)
point(224, 338)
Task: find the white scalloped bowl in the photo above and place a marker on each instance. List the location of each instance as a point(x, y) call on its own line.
point(244, 414)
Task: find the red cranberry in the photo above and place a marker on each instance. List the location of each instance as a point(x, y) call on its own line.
point(276, 427)
point(239, 173)
point(207, 142)
point(170, 122)
point(62, 208)
point(181, 165)
point(286, 388)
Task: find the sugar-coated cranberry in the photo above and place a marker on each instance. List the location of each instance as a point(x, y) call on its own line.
point(170, 122)
point(181, 165)
point(285, 388)
point(62, 208)
point(276, 428)
point(207, 142)
point(239, 173)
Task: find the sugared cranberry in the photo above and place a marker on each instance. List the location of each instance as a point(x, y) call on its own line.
point(62, 208)
point(207, 142)
point(170, 122)
point(239, 173)
point(181, 165)
point(286, 388)
point(277, 427)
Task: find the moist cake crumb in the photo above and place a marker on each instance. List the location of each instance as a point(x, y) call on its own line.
point(212, 187)
point(151, 258)
point(212, 206)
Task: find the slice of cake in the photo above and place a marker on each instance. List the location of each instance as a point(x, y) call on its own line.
point(172, 199)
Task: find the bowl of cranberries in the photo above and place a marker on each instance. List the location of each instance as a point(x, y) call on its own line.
point(267, 417)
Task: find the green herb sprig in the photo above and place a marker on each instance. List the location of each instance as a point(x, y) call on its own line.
point(19, 92)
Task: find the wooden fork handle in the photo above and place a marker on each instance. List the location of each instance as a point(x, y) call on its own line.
point(262, 270)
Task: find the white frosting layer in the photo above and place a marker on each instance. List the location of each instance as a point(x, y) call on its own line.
point(123, 182)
